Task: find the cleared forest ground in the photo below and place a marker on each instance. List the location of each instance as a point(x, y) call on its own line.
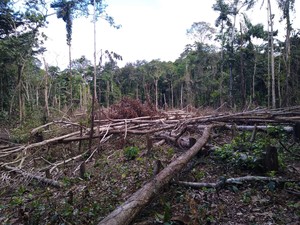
point(54, 179)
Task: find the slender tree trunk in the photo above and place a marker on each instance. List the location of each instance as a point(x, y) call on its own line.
point(231, 61)
point(46, 89)
point(288, 56)
point(189, 96)
point(20, 104)
point(181, 97)
point(221, 69)
point(70, 73)
point(242, 69)
point(172, 95)
point(95, 72)
point(156, 92)
point(165, 101)
point(269, 76)
point(94, 82)
point(80, 96)
point(279, 85)
point(18, 87)
point(253, 77)
point(1, 93)
point(37, 96)
point(272, 54)
point(107, 93)
point(137, 92)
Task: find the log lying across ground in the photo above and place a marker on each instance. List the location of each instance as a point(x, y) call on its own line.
point(145, 125)
point(236, 180)
point(126, 212)
point(41, 179)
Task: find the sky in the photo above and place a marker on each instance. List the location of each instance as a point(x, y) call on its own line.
point(151, 29)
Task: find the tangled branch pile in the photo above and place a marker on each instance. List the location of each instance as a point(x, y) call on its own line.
point(129, 108)
point(47, 163)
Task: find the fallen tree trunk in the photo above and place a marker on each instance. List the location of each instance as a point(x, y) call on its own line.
point(43, 180)
point(126, 212)
point(288, 129)
point(236, 180)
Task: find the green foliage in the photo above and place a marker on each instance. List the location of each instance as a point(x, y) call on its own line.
point(198, 174)
point(21, 134)
point(166, 216)
point(131, 152)
point(242, 154)
point(246, 198)
point(170, 152)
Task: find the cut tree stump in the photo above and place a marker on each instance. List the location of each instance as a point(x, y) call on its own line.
point(125, 213)
point(271, 159)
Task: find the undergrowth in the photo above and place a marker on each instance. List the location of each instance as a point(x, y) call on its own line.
point(246, 154)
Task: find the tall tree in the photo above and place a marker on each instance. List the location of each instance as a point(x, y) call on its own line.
point(286, 7)
point(155, 71)
point(271, 39)
point(65, 10)
point(253, 31)
point(201, 32)
point(19, 32)
point(223, 19)
point(229, 9)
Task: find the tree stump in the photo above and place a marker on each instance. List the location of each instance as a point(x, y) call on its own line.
point(271, 159)
point(297, 132)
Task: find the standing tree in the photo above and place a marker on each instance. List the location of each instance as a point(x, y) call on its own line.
point(271, 41)
point(231, 8)
point(222, 20)
point(286, 6)
point(19, 43)
point(65, 10)
point(201, 32)
point(253, 31)
point(155, 71)
point(98, 10)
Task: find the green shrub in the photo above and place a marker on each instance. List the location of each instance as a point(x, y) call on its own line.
point(243, 154)
point(131, 152)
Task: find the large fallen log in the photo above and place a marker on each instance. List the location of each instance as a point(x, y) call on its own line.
point(126, 212)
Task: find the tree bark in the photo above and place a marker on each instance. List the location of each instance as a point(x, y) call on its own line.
point(253, 78)
point(188, 81)
point(156, 92)
point(41, 179)
point(242, 69)
point(94, 82)
point(172, 95)
point(126, 212)
point(46, 89)
point(71, 76)
point(272, 54)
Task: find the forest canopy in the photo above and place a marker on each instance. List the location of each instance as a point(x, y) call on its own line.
point(152, 142)
point(224, 65)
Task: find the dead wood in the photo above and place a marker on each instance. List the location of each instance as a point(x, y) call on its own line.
point(126, 212)
point(132, 130)
point(45, 142)
point(237, 180)
point(288, 129)
point(55, 165)
point(43, 180)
